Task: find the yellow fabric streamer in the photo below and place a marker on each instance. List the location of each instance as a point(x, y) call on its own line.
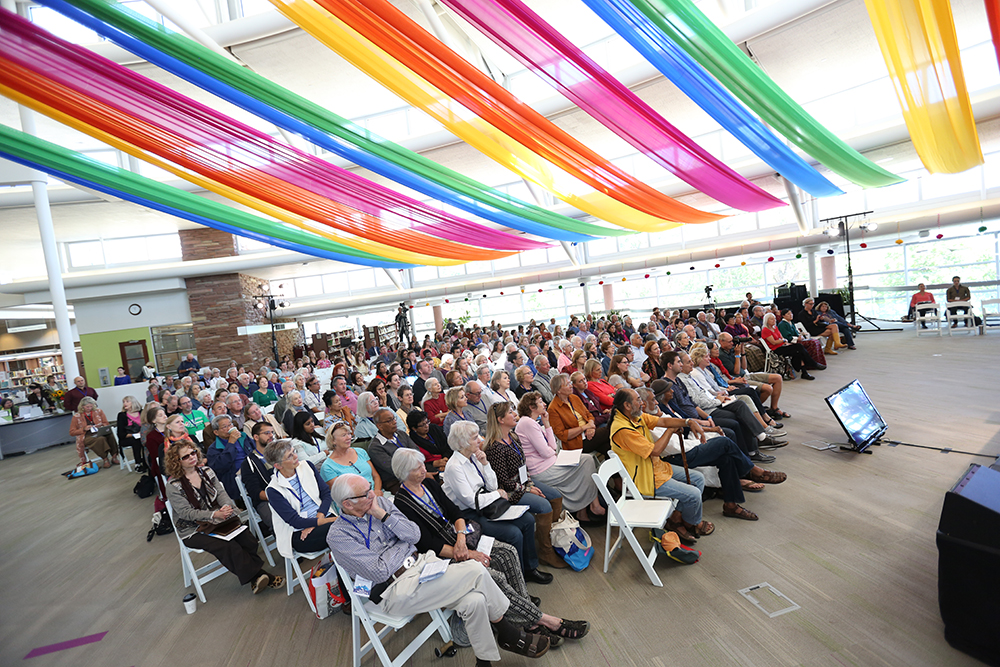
point(918, 42)
point(484, 137)
point(276, 212)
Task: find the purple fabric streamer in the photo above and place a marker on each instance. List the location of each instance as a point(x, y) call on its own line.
point(224, 142)
point(541, 48)
point(62, 646)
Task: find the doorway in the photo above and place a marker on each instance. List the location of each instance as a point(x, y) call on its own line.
point(134, 357)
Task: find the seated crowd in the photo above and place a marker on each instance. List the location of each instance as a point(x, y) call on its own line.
point(419, 453)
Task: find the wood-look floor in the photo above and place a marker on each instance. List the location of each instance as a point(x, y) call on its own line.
point(849, 538)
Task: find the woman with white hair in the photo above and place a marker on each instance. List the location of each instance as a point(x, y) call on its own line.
point(300, 501)
point(433, 402)
point(365, 428)
point(444, 531)
point(293, 405)
point(471, 484)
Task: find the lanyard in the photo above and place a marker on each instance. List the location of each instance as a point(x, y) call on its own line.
point(297, 496)
point(478, 472)
point(432, 505)
point(394, 442)
point(473, 405)
point(513, 445)
point(368, 537)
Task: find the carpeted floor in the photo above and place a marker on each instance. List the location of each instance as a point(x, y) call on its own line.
point(849, 538)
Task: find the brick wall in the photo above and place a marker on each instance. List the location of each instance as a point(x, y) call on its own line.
point(206, 243)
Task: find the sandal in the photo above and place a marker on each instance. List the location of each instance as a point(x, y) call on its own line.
point(516, 640)
point(738, 512)
point(555, 641)
point(704, 528)
point(779, 414)
point(573, 629)
point(750, 485)
point(767, 476)
point(682, 532)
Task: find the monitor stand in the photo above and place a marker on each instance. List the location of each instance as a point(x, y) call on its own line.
point(866, 450)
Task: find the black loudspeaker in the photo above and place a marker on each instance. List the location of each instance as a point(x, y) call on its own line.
point(968, 541)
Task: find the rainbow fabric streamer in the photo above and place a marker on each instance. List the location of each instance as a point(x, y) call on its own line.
point(73, 167)
point(241, 86)
point(581, 79)
point(692, 79)
point(918, 43)
point(156, 119)
point(691, 30)
point(993, 16)
point(620, 199)
point(541, 48)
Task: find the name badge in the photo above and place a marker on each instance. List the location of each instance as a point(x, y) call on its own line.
point(93, 429)
point(522, 474)
point(362, 587)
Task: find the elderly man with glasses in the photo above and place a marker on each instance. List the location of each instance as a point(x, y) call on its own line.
point(385, 443)
point(376, 544)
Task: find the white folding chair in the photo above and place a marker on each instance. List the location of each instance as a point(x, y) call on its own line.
point(254, 520)
point(193, 575)
point(968, 318)
point(295, 577)
point(630, 513)
point(365, 613)
point(991, 314)
point(927, 315)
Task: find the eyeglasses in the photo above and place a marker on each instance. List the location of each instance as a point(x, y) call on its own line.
point(189, 456)
point(366, 494)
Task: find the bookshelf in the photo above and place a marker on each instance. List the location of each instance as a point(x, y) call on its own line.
point(19, 373)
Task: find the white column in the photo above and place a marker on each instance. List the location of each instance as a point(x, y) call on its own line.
point(609, 296)
point(586, 300)
point(811, 255)
point(39, 190)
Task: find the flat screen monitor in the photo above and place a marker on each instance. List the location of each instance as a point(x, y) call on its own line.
point(857, 415)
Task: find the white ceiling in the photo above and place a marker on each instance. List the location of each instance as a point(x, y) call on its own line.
point(829, 51)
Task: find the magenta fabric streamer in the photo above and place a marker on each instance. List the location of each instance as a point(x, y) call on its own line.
point(233, 145)
point(540, 47)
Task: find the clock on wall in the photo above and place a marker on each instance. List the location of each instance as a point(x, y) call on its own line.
point(134, 309)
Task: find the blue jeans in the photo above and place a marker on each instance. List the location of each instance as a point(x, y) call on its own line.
point(688, 496)
point(538, 504)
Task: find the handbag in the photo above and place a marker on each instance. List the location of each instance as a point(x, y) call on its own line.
point(494, 509)
point(571, 542)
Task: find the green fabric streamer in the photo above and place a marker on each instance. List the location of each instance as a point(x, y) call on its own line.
point(266, 91)
point(50, 156)
point(690, 29)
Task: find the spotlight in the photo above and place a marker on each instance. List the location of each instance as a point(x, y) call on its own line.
point(869, 226)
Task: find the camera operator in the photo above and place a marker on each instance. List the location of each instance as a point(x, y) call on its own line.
point(768, 385)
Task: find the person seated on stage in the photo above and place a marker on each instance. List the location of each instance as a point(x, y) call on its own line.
point(736, 471)
point(444, 532)
point(300, 501)
point(632, 440)
point(196, 495)
point(387, 440)
point(814, 323)
point(375, 542)
point(774, 338)
point(845, 328)
point(256, 472)
point(226, 453)
point(921, 296)
point(958, 292)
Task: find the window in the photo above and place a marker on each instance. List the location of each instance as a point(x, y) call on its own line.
point(86, 253)
point(310, 286)
point(61, 26)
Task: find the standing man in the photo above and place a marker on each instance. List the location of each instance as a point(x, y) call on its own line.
point(958, 292)
point(402, 324)
point(77, 394)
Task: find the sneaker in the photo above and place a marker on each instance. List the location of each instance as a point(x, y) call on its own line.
point(260, 583)
point(773, 430)
point(758, 457)
point(772, 444)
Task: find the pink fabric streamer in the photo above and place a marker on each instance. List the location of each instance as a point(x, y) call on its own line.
point(236, 146)
point(537, 45)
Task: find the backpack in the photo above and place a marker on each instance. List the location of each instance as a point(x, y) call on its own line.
point(571, 542)
point(144, 487)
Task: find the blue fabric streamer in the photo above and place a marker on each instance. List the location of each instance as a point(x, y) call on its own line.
point(333, 144)
point(201, 220)
point(706, 92)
